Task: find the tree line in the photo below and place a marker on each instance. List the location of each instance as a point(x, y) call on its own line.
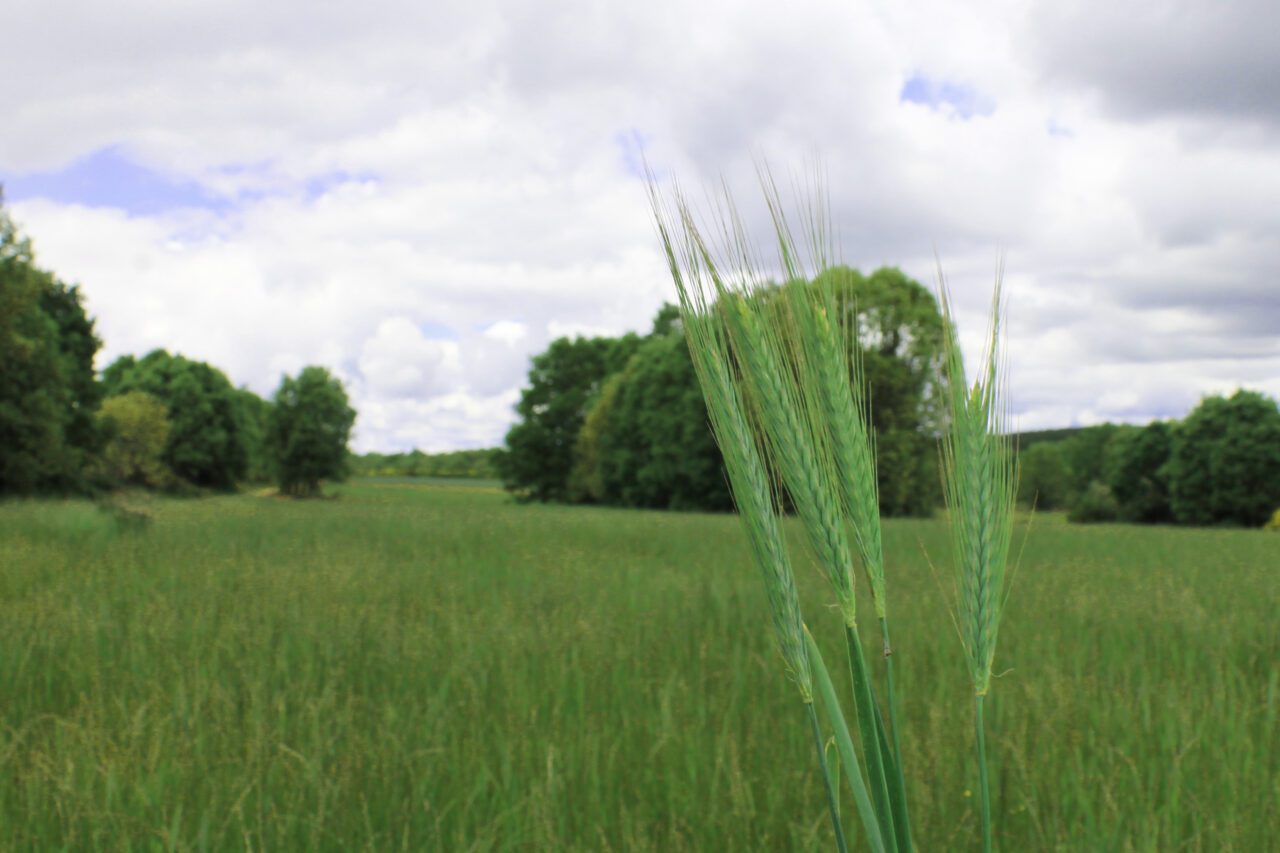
point(162, 421)
point(467, 464)
point(1220, 465)
point(621, 422)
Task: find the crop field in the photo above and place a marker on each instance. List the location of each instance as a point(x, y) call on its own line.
point(429, 666)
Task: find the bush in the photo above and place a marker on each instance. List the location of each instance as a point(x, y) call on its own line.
point(1225, 462)
point(139, 428)
point(1137, 472)
point(1045, 478)
point(1097, 504)
point(309, 428)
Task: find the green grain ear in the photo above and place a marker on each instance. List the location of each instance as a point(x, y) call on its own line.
point(980, 485)
point(980, 482)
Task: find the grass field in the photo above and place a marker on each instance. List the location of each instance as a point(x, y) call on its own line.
point(431, 667)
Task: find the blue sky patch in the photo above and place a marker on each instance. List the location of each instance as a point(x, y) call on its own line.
point(108, 178)
point(437, 332)
point(1058, 130)
point(631, 145)
point(960, 100)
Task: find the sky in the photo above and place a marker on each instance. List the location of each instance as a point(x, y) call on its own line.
point(421, 196)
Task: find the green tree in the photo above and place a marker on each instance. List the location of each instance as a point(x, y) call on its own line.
point(586, 478)
point(1137, 473)
point(47, 387)
point(563, 384)
point(1224, 465)
point(311, 421)
point(648, 435)
point(1045, 476)
point(138, 426)
point(1086, 455)
point(206, 445)
point(1095, 505)
point(255, 421)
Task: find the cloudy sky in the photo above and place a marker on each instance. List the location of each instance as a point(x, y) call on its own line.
point(422, 195)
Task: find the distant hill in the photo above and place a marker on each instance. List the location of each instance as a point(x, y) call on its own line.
point(471, 464)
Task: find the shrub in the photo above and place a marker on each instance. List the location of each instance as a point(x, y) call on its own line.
point(1224, 467)
point(139, 427)
point(1097, 504)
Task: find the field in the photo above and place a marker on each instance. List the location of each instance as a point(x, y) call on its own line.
point(432, 667)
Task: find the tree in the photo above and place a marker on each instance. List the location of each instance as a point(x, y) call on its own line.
point(563, 384)
point(1224, 465)
point(255, 420)
point(138, 426)
point(310, 427)
point(586, 478)
point(1045, 478)
point(1137, 473)
point(646, 442)
point(1095, 505)
point(206, 445)
point(47, 387)
point(1086, 456)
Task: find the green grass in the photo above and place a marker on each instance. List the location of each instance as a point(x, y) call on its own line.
point(421, 667)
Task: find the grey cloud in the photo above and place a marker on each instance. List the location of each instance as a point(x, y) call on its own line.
point(1199, 58)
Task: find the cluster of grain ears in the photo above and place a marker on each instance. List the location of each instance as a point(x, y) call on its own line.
point(781, 375)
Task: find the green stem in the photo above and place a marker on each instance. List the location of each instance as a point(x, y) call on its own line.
point(865, 704)
point(841, 844)
point(897, 783)
point(983, 783)
point(848, 757)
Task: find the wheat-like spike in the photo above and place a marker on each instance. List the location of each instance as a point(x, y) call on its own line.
point(748, 478)
point(980, 482)
point(785, 411)
point(829, 368)
point(800, 451)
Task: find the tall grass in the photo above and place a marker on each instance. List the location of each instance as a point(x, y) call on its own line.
point(426, 666)
point(781, 361)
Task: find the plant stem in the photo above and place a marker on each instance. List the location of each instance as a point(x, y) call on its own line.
point(983, 783)
point(841, 844)
point(897, 784)
point(865, 705)
point(852, 771)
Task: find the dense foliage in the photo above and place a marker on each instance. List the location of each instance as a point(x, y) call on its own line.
point(1224, 466)
point(138, 425)
point(48, 392)
point(163, 421)
point(1218, 466)
point(1138, 474)
point(310, 427)
point(622, 422)
point(645, 442)
point(468, 464)
point(563, 384)
point(206, 445)
point(1045, 476)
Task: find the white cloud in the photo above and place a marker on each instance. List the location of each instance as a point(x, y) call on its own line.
point(421, 197)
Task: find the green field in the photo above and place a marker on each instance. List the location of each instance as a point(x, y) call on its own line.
point(432, 667)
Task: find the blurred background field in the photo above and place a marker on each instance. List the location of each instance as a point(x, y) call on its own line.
point(424, 665)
